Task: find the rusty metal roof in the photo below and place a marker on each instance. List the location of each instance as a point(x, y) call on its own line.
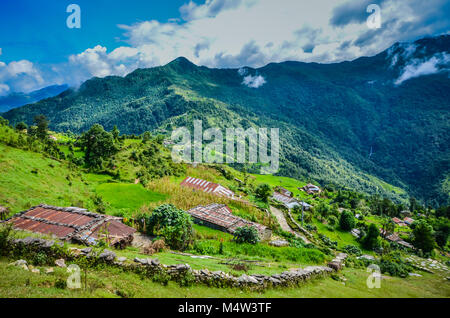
point(220, 214)
point(206, 186)
point(70, 223)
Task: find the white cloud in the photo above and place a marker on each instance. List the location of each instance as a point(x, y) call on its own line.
point(20, 76)
point(419, 68)
point(4, 89)
point(254, 81)
point(237, 33)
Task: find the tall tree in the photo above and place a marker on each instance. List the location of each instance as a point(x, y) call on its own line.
point(98, 145)
point(42, 126)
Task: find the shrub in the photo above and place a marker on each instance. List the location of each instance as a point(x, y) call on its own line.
point(246, 234)
point(332, 220)
point(352, 249)
point(394, 265)
point(5, 234)
point(347, 221)
point(263, 192)
point(173, 224)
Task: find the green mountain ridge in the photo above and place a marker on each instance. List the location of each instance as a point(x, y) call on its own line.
point(331, 116)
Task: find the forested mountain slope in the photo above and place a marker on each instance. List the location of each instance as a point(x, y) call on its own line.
point(358, 124)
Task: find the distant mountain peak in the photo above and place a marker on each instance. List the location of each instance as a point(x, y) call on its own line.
point(182, 61)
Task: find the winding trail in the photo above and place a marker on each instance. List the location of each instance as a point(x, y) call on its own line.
point(284, 224)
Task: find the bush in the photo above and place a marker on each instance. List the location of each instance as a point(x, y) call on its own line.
point(246, 234)
point(347, 221)
point(263, 192)
point(394, 265)
point(173, 224)
point(352, 249)
point(5, 234)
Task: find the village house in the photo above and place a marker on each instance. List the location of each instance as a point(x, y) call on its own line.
point(408, 221)
point(283, 191)
point(310, 189)
point(398, 222)
point(74, 224)
point(290, 202)
point(220, 217)
point(208, 187)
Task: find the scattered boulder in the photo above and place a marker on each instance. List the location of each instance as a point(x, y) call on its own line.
point(60, 263)
point(49, 270)
point(279, 243)
point(121, 259)
point(36, 271)
point(107, 256)
point(414, 274)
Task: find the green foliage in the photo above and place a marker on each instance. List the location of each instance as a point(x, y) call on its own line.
point(263, 192)
point(370, 240)
point(21, 126)
point(173, 224)
point(353, 250)
point(41, 122)
point(423, 238)
point(394, 265)
point(246, 234)
point(6, 232)
point(347, 221)
point(98, 145)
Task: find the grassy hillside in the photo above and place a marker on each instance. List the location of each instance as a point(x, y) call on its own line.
point(111, 283)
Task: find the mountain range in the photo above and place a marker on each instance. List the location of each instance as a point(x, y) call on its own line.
point(15, 100)
point(375, 124)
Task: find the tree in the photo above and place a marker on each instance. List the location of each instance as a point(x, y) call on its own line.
point(98, 145)
point(42, 126)
point(21, 126)
point(246, 234)
point(370, 241)
point(423, 236)
point(115, 133)
point(173, 224)
point(263, 192)
point(347, 221)
point(412, 204)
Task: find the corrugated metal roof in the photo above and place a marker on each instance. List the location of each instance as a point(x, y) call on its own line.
point(69, 223)
point(220, 214)
point(206, 186)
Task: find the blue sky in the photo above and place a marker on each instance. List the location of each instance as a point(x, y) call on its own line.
point(37, 49)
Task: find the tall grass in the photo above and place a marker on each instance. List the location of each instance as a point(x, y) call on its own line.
point(186, 198)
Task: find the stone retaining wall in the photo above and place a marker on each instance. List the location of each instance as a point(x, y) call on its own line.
point(204, 276)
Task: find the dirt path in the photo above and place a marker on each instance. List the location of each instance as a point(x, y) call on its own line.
point(284, 224)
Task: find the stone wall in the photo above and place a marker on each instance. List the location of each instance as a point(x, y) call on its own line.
point(150, 267)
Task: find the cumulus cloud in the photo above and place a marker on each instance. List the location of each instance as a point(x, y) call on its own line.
point(20, 76)
point(416, 68)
